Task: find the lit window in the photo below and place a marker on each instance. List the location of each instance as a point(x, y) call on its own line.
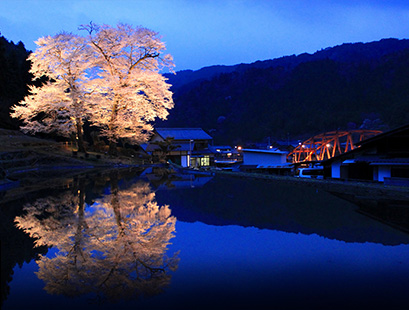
point(205, 161)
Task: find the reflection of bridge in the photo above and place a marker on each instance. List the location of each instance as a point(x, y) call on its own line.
point(329, 144)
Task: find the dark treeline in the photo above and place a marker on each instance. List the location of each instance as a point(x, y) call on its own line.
point(14, 79)
point(343, 87)
point(349, 86)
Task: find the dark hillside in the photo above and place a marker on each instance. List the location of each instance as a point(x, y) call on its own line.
point(350, 85)
point(14, 78)
point(347, 52)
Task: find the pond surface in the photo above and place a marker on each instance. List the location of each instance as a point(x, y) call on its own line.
point(152, 240)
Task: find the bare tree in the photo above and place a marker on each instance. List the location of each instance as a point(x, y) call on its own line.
point(164, 148)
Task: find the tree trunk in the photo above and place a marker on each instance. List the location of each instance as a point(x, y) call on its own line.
point(111, 126)
point(82, 223)
point(115, 199)
point(80, 137)
point(112, 149)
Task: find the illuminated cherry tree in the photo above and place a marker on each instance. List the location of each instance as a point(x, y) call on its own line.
point(115, 248)
point(132, 93)
point(59, 105)
point(110, 77)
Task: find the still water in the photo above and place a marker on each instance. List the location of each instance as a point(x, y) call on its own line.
point(153, 240)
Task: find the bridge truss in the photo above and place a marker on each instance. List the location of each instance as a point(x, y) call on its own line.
point(329, 144)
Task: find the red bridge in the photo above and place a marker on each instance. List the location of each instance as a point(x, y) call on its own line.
point(329, 144)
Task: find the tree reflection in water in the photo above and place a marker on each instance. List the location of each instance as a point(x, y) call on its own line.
point(114, 248)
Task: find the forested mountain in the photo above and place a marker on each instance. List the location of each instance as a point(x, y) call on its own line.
point(347, 86)
point(14, 78)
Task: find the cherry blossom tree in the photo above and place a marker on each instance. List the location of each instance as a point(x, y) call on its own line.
point(60, 104)
point(131, 91)
point(110, 77)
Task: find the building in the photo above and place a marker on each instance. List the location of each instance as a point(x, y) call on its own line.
point(189, 147)
point(383, 158)
point(225, 155)
point(271, 161)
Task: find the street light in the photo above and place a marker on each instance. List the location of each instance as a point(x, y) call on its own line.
point(190, 153)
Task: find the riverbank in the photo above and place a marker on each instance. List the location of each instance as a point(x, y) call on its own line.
point(29, 164)
point(21, 153)
point(353, 188)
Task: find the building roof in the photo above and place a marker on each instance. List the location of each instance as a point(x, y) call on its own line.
point(181, 147)
point(404, 129)
point(271, 152)
point(220, 147)
point(285, 165)
point(183, 133)
point(378, 160)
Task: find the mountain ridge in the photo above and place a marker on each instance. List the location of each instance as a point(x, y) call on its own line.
point(349, 85)
point(338, 52)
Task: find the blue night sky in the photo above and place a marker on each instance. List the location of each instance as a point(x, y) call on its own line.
point(217, 32)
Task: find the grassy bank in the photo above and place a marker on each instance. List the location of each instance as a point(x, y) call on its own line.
point(21, 153)
point(29, 164)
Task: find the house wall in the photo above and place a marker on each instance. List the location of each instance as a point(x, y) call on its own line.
point(360, 171)
point(383, 172)
point(344, 172)
point(184, 160)
point(181, 155)
point(336, 170)
point(263, 159)
point(363, 163)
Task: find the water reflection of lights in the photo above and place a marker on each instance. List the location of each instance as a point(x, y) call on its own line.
point(115, 248)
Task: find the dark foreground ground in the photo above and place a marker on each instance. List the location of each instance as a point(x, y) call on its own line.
point(29, 164)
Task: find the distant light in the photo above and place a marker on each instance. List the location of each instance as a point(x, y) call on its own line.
point(271, 146)
point(303, 146)
point(329, 145)
point(239, 148)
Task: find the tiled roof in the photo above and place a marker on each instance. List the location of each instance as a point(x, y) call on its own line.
point(183, 133)
point(379, 160)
